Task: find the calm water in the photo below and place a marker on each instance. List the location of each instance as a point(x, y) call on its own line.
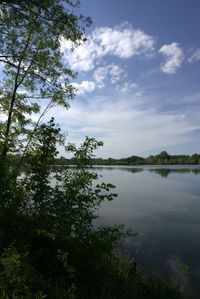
point(162, 204)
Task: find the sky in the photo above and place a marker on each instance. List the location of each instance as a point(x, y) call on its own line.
point(138, 78)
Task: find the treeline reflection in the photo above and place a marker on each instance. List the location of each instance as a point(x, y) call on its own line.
point(163, 172)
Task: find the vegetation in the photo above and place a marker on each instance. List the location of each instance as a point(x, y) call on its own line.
point(161, 159)
point(164, 158)
point(48, 245)
point(34, 74)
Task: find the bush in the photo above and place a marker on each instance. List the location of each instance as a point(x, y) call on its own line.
point(49, 247)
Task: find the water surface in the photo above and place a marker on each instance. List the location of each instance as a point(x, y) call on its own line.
point(162, 204)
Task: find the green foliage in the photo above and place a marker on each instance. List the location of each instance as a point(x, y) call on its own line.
point(161, 159)
point(183, 268)
point(30, 45)
point(83, 156)
point(165, 159)
point(49, 247)
point(46, 230)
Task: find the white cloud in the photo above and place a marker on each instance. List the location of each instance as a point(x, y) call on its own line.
point(195, 55)
point(122, 41)
point(111, 71)
point(84, 87)
point(128, 87)
point(101, 74)
point(125, 127)
point(131, 88)
point(116, 73)
point(174, 57)
point(82, 57)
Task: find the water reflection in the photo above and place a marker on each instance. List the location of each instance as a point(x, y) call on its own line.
point(161, 170)
point(164, 172)
point(122, 168)
point(164, 212)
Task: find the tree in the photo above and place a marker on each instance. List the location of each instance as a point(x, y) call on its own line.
point(47, 238)
point(49, 245)
point(33, 70)
point(164, 155)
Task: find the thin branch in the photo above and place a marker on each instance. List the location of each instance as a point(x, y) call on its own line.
point(8, 62)
point(8, 56)
point(10, 112)
point(38, 97)
point(29, 67)
point(23, 9)
point(33, 132)
point(31, 72)
point(13, 98)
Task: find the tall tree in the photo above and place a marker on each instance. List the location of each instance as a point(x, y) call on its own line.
point(33, 69)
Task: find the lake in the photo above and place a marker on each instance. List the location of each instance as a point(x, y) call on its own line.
point(161, 204)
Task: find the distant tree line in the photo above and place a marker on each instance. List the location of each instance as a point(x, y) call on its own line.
point(165, 159)
point(161, 159)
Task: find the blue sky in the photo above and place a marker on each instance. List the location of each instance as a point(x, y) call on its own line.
point(138, 85)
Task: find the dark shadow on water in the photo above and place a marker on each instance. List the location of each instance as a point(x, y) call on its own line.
point(163, 171)
point(113, 168)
